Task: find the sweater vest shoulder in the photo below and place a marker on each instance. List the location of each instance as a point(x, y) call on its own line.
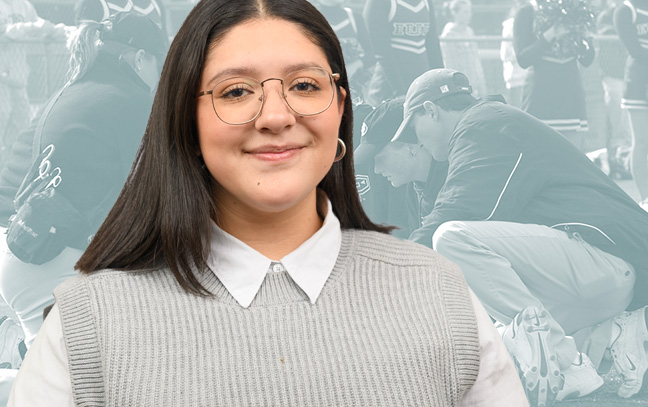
point(394, 325)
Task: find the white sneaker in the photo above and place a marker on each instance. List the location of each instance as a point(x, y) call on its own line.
point(581, 379)
point(526, 340)
point(12, 344)
point(628, 351)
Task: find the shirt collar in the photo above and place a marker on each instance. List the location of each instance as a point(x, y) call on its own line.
point(241, 269)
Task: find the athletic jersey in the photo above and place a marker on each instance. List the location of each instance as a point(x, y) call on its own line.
point(410, 24)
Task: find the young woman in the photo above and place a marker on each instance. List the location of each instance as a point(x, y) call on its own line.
point(237, 266)
point(631, 22)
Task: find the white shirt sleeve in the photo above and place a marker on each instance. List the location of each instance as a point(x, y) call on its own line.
point(498, 383)
point(44, 377)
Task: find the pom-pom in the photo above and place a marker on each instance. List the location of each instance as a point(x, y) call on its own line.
point(574, 15)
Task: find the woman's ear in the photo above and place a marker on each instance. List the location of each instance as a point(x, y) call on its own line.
point(341, 97)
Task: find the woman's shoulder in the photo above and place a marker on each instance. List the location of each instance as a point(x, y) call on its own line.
point(389, 249)
point(84, 282)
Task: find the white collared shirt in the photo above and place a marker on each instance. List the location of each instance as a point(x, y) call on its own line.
point(44, 379)
point(242, 269)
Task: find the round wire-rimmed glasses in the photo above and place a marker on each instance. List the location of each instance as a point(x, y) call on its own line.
point(239, 100)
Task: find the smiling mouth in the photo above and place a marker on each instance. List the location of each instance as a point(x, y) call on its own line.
point(275, 153)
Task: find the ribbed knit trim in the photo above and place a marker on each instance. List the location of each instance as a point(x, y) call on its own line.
point(463, 326)
point(81, 341)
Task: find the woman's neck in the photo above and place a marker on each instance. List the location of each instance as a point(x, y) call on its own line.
point(274, 234)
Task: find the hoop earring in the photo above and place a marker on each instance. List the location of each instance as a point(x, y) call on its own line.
point(342, 153)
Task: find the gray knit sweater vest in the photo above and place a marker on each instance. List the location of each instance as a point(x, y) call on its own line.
point(393, 326)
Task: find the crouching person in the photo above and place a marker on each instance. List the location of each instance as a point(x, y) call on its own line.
point(550, 245)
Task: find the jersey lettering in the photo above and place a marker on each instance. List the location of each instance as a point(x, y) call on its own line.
point(642, 29)
point(411, 29)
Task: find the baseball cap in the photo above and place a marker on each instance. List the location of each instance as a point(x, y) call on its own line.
point(378, 129)
point(431, 86)
point(137, 31)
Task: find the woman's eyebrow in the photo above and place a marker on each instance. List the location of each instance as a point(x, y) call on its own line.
point(253, 73)
point(230, 72)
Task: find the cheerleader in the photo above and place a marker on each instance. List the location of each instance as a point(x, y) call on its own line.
point(631, 22)
point(406, 43)
point(553, 90)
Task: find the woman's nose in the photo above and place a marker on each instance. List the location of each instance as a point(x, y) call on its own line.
point(275, 113)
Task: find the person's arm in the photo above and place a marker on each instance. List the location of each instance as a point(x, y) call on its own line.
point(498, 383)
point(628, 33)
point(44, 377)
point(529, 48)
point(432, 44)
point(376, 14)
point(488, 179)
point(587, 52)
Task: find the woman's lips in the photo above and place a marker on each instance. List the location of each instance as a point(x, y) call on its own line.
point(275, 153)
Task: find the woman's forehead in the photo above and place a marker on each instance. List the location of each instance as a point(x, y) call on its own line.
point(259, 46)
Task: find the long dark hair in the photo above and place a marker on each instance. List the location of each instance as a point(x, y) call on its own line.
point(164, 212)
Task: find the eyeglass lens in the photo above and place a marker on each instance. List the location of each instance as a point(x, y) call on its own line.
point(306, 91)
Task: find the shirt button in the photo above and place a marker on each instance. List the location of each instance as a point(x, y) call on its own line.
point(277, 267)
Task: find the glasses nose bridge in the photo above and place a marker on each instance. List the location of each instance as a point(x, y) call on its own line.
point(281, 81)
point(282, 93)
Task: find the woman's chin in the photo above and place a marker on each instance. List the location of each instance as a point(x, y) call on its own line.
point(277, 200)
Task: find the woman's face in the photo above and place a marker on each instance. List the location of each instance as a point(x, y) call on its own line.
point(275, 162)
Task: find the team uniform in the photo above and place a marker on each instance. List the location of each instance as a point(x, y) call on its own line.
point(553, 90)
point(631, 22)
point(405, 42)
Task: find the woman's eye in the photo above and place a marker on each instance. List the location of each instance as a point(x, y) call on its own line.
point(236, 92)
point(305, 86)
